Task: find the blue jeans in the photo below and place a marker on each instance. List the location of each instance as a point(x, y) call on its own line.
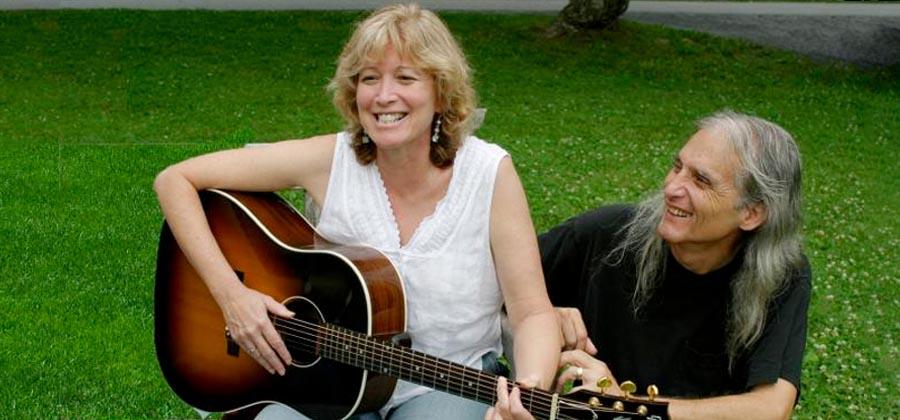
point(431, 405)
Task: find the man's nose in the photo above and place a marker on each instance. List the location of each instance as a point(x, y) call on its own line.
point(675, 184)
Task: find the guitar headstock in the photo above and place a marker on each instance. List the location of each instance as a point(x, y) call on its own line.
point(584, 404)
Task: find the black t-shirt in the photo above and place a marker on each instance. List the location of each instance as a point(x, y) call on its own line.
point(677, 341)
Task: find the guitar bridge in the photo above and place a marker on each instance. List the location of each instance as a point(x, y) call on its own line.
point(231, 347)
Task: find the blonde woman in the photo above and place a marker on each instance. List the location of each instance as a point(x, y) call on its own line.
point(407, 177)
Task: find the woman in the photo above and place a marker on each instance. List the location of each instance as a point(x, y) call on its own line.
point(405, 177)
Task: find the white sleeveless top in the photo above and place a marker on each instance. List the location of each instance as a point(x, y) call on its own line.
point(452, 294)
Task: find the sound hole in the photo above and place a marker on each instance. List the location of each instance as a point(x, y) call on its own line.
point(302, 353)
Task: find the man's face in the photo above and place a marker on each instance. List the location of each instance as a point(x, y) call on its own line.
point(701, 196)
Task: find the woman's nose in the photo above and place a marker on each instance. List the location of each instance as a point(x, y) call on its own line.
point(386, 91)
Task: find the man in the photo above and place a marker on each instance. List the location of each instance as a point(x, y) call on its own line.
point(701, 290)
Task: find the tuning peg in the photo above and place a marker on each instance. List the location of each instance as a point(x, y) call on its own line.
point(642, 410)
point(652, 392)
point(618, 406)
point(628, 388)
point(603, 383)
point(594, 402)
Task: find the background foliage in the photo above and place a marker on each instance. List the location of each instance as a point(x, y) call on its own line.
point(94, 103)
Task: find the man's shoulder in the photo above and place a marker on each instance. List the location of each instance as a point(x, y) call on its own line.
point(801, 276)
point(609, 218)
point(591, 231)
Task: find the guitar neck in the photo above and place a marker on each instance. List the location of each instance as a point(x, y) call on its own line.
point(359, 350)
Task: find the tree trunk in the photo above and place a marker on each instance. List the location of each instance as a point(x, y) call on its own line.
point(579, 15)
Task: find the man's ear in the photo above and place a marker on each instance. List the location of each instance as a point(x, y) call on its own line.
point(753, 216)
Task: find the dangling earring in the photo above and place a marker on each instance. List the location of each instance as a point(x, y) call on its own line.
point(365, 138)
point(437, 131)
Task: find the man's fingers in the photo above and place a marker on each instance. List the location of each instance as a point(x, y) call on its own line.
point(569, 374)
point(590, 347)
point(573, 330)
point(577, 357)
point(570, 339)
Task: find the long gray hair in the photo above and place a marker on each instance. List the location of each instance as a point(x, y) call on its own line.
point(769, 173)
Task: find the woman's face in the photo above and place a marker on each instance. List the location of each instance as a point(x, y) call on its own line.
point(396, 101)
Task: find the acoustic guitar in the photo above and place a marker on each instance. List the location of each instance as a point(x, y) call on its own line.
point(344, 339)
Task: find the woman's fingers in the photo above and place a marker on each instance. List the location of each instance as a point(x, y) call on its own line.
point(272, 335)
point(516, 409)
point(509, 403)
point(267, 354)
point(502, 395)
point(248, 321)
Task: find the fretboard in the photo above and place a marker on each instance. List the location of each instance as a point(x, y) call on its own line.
point(385, 358)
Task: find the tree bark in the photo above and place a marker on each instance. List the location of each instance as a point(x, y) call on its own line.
point(580, 15)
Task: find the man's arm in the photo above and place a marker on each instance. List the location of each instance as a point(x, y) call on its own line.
point(764, 401)
point(767, 401)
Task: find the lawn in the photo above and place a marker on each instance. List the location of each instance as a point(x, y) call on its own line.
point(94, 103)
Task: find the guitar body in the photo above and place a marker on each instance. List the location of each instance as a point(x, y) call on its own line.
point(275, 251)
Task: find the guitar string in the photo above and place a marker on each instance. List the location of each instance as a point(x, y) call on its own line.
point(437, 383)
point(571, 403)
point(333, 343)
point(427, 373)
point(334, 332)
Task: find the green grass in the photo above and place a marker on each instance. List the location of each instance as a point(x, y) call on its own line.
point(94, 104)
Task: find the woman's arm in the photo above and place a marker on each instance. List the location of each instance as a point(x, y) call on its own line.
point(518, 264)
point(304, 163)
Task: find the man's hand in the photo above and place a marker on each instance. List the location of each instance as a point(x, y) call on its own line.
point(573, 331)
point(590, 370)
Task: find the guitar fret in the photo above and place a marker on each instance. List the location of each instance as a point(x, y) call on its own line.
point(387, 358)
point(531, 401)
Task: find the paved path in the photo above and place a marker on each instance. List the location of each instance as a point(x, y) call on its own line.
point(692, 7)
point(863, 33)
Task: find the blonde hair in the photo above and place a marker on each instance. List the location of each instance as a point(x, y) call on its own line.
point(419, 36)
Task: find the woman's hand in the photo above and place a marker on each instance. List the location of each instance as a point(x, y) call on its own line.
point(509, 404)
point(246, 314)
point(584, 367)
point(573, 331)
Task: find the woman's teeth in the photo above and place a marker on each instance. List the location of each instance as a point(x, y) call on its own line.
point(389, 118)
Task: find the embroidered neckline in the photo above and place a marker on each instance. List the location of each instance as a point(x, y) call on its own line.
point(424, 227)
